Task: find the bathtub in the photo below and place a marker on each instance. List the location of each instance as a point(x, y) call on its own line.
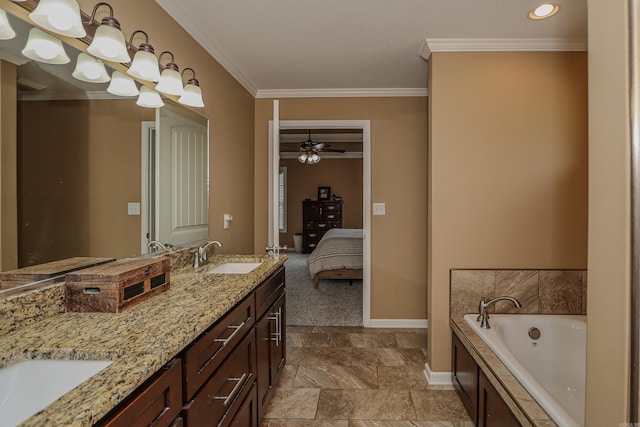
point(551, 368)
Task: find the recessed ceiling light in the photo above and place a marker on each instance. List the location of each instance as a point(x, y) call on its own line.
point(545, 10)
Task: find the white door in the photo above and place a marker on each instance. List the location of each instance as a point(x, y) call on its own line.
point(274, 171)
point(182, 193)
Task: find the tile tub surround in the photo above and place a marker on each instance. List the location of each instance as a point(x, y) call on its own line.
point(539, 291)
point(521, 403)
point(139, 340)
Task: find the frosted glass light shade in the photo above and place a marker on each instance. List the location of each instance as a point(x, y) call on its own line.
point(90, 69)
point(6, 32)
point(43, 47)
point(192, 96)
point(59, 16)
point(170, 83)
point(149, 98)
point(108, 43)
point(145, 66)
point(122, 85)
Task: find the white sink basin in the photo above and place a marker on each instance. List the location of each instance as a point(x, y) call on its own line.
point(29, 386)
point(233, 268)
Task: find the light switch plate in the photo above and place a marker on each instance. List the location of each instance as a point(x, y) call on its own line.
point(379, 209)
point(133, 208)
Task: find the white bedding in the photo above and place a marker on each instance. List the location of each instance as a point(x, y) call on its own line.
point(339, 248)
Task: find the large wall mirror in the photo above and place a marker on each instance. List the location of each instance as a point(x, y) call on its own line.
point(97, 175)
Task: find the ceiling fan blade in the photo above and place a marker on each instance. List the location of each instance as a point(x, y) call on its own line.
point(333, 150)
point(320, 146)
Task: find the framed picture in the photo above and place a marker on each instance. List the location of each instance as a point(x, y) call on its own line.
point(324, 193)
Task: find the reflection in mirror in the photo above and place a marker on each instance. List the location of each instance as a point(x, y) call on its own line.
point(81, 190)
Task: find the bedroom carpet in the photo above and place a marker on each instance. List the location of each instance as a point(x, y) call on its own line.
point(334, 303)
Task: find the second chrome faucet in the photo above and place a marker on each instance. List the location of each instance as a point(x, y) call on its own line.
point(483, 317)
point(201, 256)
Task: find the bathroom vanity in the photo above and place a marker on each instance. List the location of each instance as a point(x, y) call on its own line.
point(211, 347)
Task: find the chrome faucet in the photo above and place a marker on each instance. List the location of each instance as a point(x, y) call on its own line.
point(483, 317)
point(201, 256)
point(159, 245)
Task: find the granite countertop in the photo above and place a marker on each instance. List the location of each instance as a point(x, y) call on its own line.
point(139, 340)
point(521, 403)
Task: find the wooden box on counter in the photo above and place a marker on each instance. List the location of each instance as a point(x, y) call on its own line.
point(111, 287)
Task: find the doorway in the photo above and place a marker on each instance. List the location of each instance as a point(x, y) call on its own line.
point(274, 166)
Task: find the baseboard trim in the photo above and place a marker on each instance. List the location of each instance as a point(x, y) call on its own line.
point(399, 323)
point(437, 378)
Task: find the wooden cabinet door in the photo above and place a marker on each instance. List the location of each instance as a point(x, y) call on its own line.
point(465, 376)
point(158, 403)
point(492, 411)
point(271, 351)
point(247, 415)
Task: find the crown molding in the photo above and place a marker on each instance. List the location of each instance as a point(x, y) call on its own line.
point(178, 14)
point(501, 45)
point(62, 95)
point(342, 93)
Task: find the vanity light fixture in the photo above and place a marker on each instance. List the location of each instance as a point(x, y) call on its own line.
point(6, 32)
point(145, 63)
point(108, 42)
point(170, 80)
point(59, 16)
point(192, 95)
point(90, 69)
point(149, 98)
point(544, 11)
point(43, 47)
point(122, 85)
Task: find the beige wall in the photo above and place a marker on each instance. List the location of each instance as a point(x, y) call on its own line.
point(398, 240)
point(344, 176)
point(507, 170)
point(8, 179)
point(78, 169)
point(229, 108)
point(609, 217)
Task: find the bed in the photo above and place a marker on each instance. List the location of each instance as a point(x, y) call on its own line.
point(337, 256)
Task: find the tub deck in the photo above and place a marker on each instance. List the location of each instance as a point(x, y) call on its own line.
point(522, 404)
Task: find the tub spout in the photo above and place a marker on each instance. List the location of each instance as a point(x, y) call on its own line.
point(483, 317)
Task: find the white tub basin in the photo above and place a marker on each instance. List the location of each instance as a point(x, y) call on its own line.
point(29, 386)
point(233, 268)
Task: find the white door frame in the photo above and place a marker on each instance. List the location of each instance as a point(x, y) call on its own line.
point(365, 125)
point(144, 186)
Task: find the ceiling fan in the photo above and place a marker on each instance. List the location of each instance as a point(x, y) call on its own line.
point(309, 150)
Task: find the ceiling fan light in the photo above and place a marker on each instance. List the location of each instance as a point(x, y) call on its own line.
point(315, 158)
point(192, 96)
point(43, 47)
point(170, 83)
point(149, 98)
point(122, 85)
point(302, 158)
point(108, 42)
point(91, 70)
point(6, 32)
point(59, 16)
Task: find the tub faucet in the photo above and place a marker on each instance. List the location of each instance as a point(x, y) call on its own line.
point(201, 256)
point(159, 245)
point(483, 317)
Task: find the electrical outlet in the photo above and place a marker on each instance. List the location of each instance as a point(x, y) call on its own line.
point(379, 209)
point(133, 208)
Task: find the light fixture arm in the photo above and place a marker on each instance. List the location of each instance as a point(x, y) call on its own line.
point(106, 20)
point(143, 46)
point(192, 80)
point(171, 64)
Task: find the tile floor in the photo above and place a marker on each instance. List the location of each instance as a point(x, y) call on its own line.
point(359, 377)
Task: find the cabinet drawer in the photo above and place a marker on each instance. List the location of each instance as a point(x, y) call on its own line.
point(209, 350)
point(269, 291)
point(159, 403)
point(219, 399)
